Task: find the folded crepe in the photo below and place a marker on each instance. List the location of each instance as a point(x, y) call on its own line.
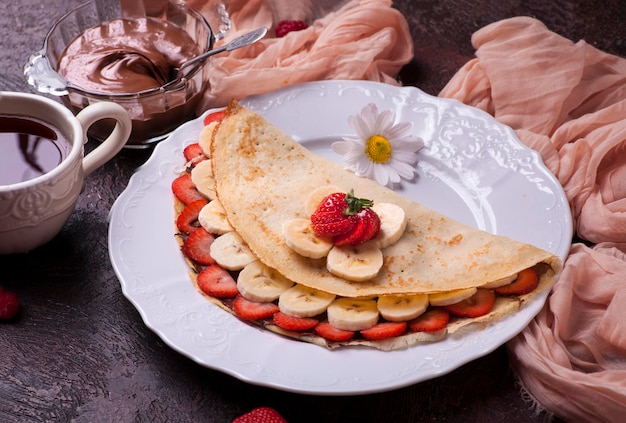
point(263, 178)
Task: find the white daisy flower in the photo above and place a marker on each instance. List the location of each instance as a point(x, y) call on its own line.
point(383, 151)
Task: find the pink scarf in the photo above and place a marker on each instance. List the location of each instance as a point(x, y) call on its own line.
point(357, 39)
point(567, 101)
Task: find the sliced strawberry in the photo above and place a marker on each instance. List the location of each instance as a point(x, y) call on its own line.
point(217, 282)
point(384, 330)
point(433, 320)
point(214, 117)
point(187, 220)
point(261, 415)
point(185, 190)
point(327, 331)
point(527, 280)
point(193, 154)
point(197, 246)
point(253, 310)
point(477, 305)
point(294, 323)
point(366, 228)
point(328, 226)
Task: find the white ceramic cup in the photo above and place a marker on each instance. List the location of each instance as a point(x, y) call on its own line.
point(34, 211)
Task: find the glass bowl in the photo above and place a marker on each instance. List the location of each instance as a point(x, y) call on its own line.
point(154, 112)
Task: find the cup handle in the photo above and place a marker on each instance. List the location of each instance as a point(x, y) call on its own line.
point(114, 143)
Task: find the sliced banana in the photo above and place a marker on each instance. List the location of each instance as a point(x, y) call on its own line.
point(202, 177)
point(299, 236)
point(258, 282)
point(393, 222)
point(500, 282)
point(355, 263)
point(212, 217)
point(399, 308)
point(317, 195)
point(352, 314)
point(230, 252)
point(206, 135)
point(303, 301)
point(451, 297)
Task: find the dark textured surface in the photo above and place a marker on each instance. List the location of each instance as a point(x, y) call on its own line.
point(80, 351)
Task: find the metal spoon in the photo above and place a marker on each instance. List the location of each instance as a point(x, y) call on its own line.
point(241, 41)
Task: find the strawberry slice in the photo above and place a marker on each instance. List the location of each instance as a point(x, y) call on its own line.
point(253, 310)
point(477, 305)
point(384, 330)
point(187, 220)
point(366, 228)
point(185, 190)
point(193, 154)
point(197, 246)
point(261, 415)
point(527, 280)
point(433, 320)
point(294, 323)
point(327, 331)
point(328, 226)
point(217, 282)
point(214, 117)
point(9, 305)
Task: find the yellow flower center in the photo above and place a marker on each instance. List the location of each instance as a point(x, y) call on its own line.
point(378, 149)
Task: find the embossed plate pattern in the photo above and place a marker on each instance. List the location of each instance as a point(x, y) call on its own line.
point(472, 169)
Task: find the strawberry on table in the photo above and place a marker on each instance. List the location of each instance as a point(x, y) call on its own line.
point(287, 26)
point(432, 320)
point(9, 305)
point(217, 282)
point(253, 310)
point(197, 246)
point(261, 415)
point(327, 331)
point(384, 330)
point(294, 323)
point(185, 190)
point(527, 280)
point(477, 305)
point(187, 220)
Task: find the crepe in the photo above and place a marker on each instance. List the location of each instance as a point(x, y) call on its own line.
point(263, 178)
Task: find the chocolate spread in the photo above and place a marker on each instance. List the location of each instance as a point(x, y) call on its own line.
point(126, 55)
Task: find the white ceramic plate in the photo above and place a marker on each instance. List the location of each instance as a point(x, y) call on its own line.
point(472, 169)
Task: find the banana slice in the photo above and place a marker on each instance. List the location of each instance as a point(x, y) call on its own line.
point(300, 237)
point(393, 222)
point(317, 195)
point(206, 135)
point(230, 252)
point(451, 297)
point(202, 177)
point(399, 308)
point(303, 301)
point(258, 282)
point(212, 217)
point(352, 314)
point(355, 263)
point(500, 282)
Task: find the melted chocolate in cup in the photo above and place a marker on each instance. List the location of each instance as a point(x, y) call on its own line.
point(131, 62)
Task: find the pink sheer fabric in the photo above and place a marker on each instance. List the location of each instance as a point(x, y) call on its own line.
point(567, 101)
point(362, 39)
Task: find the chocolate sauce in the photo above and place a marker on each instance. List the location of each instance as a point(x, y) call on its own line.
point(29, 148)
point(126, 55)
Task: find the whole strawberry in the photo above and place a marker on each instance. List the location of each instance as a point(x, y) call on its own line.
point(9, 305)
point(284, 27)
point(345, 218)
